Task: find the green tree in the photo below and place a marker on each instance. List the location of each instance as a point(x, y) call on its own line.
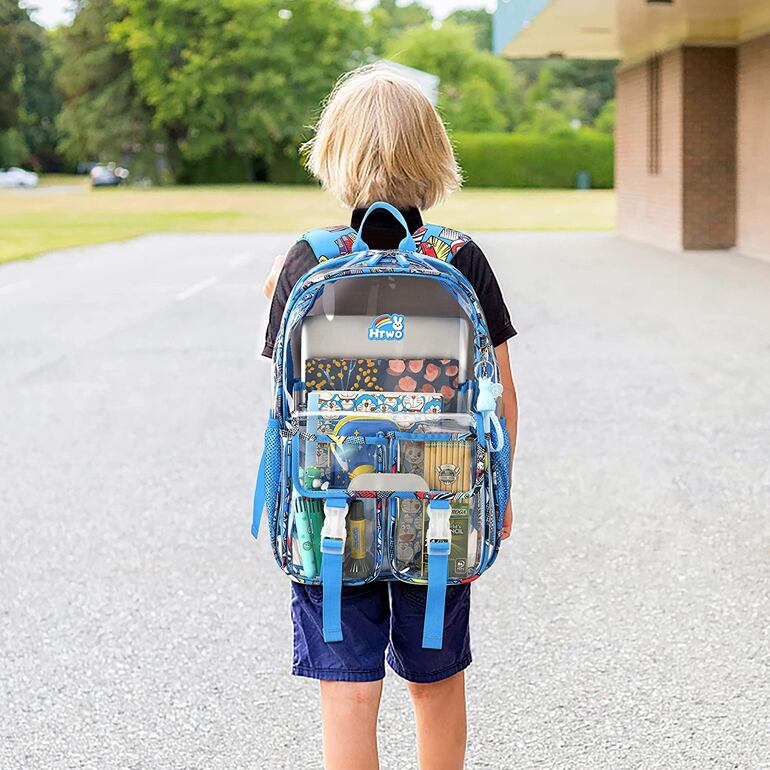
point(13, 148)
point(11, 17)
point(103, 116)
point(594, 79)
point(28, 101)
point(478, 91)
point(475, 107)
point(387, 20)
point(552, 110)
point(237, 76)
point(481, 21)
point(605, 121)
point(39, 99)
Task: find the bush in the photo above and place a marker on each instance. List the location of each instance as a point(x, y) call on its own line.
point(507, 160)
point(287, 169)
point(530, 160)
point(219, 168)
point(229, 168)
point(487, 159)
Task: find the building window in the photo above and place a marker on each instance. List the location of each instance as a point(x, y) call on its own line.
point(653, 115)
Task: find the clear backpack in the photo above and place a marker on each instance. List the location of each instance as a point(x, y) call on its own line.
point(384, 457)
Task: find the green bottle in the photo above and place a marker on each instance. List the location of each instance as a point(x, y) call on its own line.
point(316, 511)
point(305, 539)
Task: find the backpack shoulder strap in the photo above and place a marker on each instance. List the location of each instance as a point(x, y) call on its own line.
point(433, 240)
point(439, 241)
point(330, 242)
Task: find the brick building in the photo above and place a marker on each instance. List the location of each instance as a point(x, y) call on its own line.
point(692, 138)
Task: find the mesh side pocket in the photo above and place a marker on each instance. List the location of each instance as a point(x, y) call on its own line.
point(501, 465)
point(272, 460)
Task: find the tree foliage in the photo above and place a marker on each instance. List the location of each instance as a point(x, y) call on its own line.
point(104, 116)
point(28, 101)
point(478, 91)
point(551, 110)
point(218, 88)
point(480, 20)
point(11, 18)
point(236, 75)
point(591, 82)
point(40, 100)
point(387, 20)
point(605, 121)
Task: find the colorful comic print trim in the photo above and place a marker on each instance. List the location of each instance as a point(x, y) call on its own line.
point(432, 240)
point(339, 246)
point(443, 244)
point(345, 243)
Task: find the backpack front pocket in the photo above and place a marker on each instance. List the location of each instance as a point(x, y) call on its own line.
point(324, 464)
point(449, 464)
point(362, 554)
point(409, 524)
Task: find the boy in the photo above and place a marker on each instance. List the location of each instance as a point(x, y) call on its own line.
point(380, 138)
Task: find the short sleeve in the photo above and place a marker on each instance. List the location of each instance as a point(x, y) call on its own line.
point(299, 259)
point(471, 261)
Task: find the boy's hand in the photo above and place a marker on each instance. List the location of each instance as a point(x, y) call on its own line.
point(508, 520)
point(269, 286)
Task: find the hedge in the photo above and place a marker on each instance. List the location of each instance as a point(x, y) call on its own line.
point(220, 168)
point(510, 160)
point(488, 160)
point(284, 169)
point(528, 160)
point(230, 168)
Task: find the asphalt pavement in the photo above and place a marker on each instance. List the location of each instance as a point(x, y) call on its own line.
point(624, 626)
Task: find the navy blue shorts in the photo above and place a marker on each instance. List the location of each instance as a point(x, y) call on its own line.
point(377, 617)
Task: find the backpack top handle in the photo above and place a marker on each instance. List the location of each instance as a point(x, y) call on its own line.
point(407, 243)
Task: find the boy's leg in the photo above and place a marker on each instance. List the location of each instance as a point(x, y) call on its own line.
point(435, 678)
point(350, 671)
point(439, 710)
point(349, 712)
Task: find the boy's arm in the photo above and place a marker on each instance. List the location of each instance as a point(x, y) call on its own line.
point(268, 287)
point(285, 272)
point(511, 414)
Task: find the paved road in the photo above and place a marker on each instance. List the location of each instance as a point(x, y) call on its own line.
point(625, 627)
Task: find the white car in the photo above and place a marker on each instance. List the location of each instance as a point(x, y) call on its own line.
point(18, 177)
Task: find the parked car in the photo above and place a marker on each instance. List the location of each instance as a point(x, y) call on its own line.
point(108, 175)
point(18, 177)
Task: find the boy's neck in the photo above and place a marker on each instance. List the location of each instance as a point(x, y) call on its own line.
point(381, 220)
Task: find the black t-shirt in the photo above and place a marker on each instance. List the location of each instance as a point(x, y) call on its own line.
point(382, 231)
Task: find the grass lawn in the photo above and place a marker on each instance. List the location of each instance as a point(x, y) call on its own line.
point(64, 212)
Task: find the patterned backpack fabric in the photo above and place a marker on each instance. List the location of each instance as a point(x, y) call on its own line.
point(384, 457)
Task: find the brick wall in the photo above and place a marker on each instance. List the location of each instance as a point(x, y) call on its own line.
point(753, 217)
point(686, 197)
point(650, 204)
point(708, 147)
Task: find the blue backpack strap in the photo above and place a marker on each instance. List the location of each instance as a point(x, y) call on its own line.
point(439, 546)
point(439, 241)
point(433, 240)
point(332, 550)
point(330, 242)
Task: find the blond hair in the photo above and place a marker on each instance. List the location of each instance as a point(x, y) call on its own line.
point(380, 138)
